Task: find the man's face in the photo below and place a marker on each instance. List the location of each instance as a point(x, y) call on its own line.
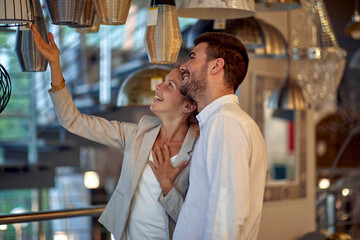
point(194, 73)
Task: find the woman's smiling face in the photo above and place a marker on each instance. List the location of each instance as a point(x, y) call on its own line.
point(168, 98)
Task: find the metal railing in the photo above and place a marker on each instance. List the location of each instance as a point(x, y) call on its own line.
point(51, 215)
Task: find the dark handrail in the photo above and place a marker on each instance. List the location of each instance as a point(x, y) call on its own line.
point(50, 215)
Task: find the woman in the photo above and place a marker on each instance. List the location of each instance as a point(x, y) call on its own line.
point(148, 197)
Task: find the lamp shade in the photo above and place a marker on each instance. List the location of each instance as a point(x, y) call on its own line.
point(87, 16)
point(15, 12)
point(287, 97)
point(65, 12)
point(163, 39)
point(92, 29)
point(215, 9)
point(276, 5)
point(248, 30)
point(5, 88)
point(275, 43)
point(353, 27)
point(29, 58)
point(112, 12)
point(138, 89)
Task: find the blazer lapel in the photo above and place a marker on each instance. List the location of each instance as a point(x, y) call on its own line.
point(187, 146)
point(143, 155)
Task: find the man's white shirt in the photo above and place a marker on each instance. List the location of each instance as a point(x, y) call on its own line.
point(227, 176)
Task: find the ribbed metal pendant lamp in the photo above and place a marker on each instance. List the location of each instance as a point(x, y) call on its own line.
point(15, 13)
point(87, 16)
point(163, 35)
point(216, 9)
point(65, 12)
point(29, 58)
point(92, 29)
point(112, 12)
point(276, 5)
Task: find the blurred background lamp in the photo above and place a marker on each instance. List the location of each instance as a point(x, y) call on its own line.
point(112, 12)
point(345, 192)
point(15, 13)
point(3, 227)
point(163, 35)
point(138, 89)
point(215, 9)
point(29, 58)
point(5, 88)
point(87, 16)
point(353, 27)
point(276, 5)
point(287, 97)
point(91, 180)
point(324, 183)
point(60, 236)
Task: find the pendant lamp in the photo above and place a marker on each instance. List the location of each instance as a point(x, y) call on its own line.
point(163, 35)
point(112, 12)
point(355, 60)
point(248, 30)
point(64, 12)
point(276, 5)
point(15, 13)
point(29, 58)
point(275, 43)
point(216, 9)
point(92, 29)
point(5, 88)
point(138, 89)
point(87, 16)
point(317, 60)
point(353, 27)
point(287, 97)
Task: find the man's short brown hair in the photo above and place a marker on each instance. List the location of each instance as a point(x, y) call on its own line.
point(229, 48)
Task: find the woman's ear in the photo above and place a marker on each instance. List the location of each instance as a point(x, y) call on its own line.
point(189, 107)
point(217, 66)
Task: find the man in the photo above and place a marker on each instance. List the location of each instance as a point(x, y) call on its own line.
point(228, 169)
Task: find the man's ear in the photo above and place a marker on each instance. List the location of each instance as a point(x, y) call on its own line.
point(189, 107)
point(217, 65)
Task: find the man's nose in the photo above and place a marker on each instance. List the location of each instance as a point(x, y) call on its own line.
point(183, 67)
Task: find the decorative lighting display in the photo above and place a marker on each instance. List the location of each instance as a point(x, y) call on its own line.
point(29, 58)
point(15, 13)
point(163, 35)
point(317, 61)
point(5, 88)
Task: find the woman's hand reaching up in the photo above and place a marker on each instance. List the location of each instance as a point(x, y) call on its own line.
point(164, 170)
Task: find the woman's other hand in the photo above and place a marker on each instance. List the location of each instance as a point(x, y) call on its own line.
point(50, 51)
point(164, 170)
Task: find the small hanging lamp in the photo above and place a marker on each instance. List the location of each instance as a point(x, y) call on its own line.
point(65, 12)
point(92, 29)
point(112, 12)
point(87, 16)
point(287, 97)
point(215, 9)
point(138, 89)
point(276, 5)
point(163, 35)
point(29, 58)
point(15, 13)
point(353, 27)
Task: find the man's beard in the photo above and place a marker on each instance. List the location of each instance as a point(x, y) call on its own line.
point(195, 86)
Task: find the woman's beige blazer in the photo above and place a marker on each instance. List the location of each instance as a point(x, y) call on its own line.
point(137, 141)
